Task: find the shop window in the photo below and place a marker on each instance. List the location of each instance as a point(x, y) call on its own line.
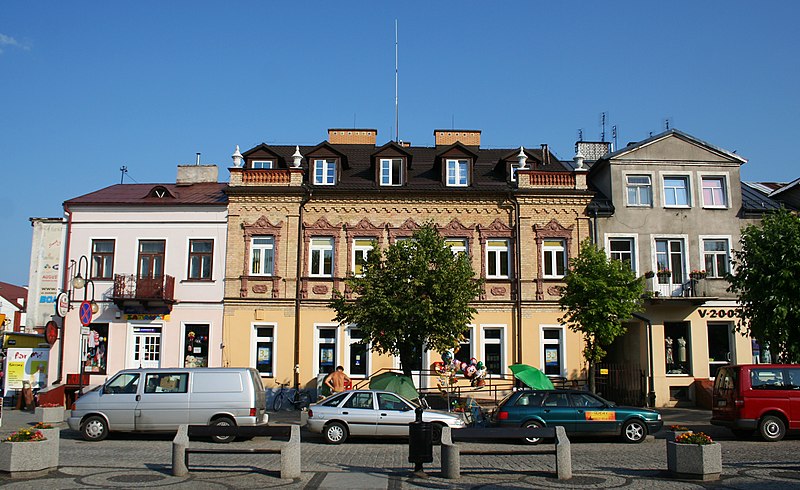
point(326, 350)
point(95, 349)
point(264, 349)
point(358, 365)
point(464, 352)
point(677, 348)
point(493, 350)
point(553, 351)
point(195, 343)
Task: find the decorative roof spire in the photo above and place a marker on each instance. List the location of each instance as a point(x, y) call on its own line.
point(298, 158)
point(579, 160)
point(237, 158)
point(522, 157)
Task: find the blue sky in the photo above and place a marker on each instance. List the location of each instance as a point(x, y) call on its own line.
point(87, 87)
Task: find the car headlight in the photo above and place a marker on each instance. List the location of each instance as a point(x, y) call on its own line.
point(658, 416)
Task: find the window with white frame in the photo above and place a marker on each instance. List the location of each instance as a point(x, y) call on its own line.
point(263, 164)
point(493, 346)
point(714, 192)
point(357, 353)
point(457, 173)
point(554, 257)
point(677, 348)
point(321, 257)
point(391, 171)
point(102, 259)
point(457, 245)
point(201, 253)
point(669, 257)
point(325, 171)
point(676, 191)
point(640, 190)
point(262, 255)
point(326, 349)
point(552, 351)
point(264, 349)
point(513, 171)
point(497, 258)
point(464, 352)
point(622, 249)
point(362, 247)
point(716, 256)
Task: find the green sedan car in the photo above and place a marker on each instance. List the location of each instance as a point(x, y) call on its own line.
point(579, 412)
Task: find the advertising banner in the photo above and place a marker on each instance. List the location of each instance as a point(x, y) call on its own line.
point(26, 365)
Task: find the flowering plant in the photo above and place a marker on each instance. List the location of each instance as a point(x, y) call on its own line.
point(698, 274)
point(698, 438)
point(26, 435)
point(678, 428)
point(649, 274)
point(664, 272)
point(42, 425)
point(50, 405)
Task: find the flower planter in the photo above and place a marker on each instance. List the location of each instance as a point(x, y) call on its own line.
point(694, 461)
point(28, 459)
point(673, 434)
point(50, 415)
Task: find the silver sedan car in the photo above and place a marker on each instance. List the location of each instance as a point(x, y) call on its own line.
point(371, 413)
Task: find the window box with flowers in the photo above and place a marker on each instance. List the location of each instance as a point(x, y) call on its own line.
point(28, 452)
point(50, 413)
point(698, 274)
point(694, 455)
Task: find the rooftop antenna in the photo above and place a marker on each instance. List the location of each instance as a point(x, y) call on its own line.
point(603, 126)
point(614, 134)
point(580, 134)
point(396, 104)
point(124, 171)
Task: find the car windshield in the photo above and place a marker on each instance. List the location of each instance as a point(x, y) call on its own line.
point(334, 400)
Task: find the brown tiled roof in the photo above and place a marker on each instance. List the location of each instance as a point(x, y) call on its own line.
point(142, 194)
point(13, 293)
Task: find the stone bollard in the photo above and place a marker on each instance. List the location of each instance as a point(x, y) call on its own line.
point(451, 458)
point(290, 455)
point(179, 445)
point(563, 454)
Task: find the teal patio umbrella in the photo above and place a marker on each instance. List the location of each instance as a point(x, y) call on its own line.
point(532, 377)
point(396, 383)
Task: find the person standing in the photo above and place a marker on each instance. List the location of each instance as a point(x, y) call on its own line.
point(336, 380)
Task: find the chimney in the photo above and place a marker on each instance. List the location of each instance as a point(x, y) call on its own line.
point(352, 136)
point(196, 174)
point(545, 154)
point(405, 144)
point(467, 137)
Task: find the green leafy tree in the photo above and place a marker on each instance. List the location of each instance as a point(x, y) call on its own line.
point(600, 294)
point(767, 282)
point(413, 295)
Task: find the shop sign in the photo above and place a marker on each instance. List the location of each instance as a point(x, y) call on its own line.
point(718, 313)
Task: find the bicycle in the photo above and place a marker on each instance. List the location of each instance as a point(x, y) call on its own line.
point(298, 399)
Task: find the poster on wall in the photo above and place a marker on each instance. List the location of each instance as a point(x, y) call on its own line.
point(26, 365)
point(95, 351)
point(195, 346)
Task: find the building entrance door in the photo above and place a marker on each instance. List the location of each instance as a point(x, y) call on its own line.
point(146, 347)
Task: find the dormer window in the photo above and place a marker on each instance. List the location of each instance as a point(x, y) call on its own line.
point(391, 171)
point(513, 171)
point(325, 171)
point(264, 164)
point(457, 173)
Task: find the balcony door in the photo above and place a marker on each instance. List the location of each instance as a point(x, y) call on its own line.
point(670, 256)
point(150, 272)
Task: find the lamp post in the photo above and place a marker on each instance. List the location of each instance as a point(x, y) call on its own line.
point(80, 281)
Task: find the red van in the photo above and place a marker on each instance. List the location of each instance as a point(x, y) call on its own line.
point(763, 397)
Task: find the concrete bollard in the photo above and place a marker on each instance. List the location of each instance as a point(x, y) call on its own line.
point(179, 445)
point(290, 455)
point(451, 457)
point(563, 454)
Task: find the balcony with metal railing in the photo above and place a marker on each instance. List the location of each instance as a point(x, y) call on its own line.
point(147, 292)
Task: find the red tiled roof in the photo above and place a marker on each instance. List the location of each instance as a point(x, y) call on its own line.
point(142, 194)
point(13, 293)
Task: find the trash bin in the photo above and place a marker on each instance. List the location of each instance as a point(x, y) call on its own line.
point(420, 442)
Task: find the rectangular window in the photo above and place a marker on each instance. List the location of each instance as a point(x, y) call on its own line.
point(95, 349)
point(457, 171)
point(357, 352)
point(676, 191)
point(457, 245)
point(497, 259)
point(321, 257)
point(714, 192)
point(264, 347)
point(677, 347)
point(553, 351)
point(200, 259)
point(669, 257)
point(464, 352)
point(640, 190)
point(325, 172)
point(554, 257)
point(167, 383)
point(262, 255)
point(622, 249)
point(715, 253)
point(493, 350)
point(326, 348)
point(362, 247)
point(102, 259)
point(513, 170)
point(391, 171)
point(195, 351)
point(720, 351)
point(151, 258)
point(263, 164)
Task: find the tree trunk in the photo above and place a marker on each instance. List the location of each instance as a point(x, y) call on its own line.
point(406, 360)
point(591, 377)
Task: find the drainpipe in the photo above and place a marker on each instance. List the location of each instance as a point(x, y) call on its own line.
point(594, 226)
point(303, 201)
point(651, 395)
point(517, 277)
point(64, 279)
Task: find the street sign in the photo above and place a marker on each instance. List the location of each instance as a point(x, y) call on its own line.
point(62, 304)
point(85, 312)
point(51, 332)
point(84, 330)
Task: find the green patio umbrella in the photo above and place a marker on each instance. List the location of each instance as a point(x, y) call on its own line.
point(531, 376)
point(396, 383)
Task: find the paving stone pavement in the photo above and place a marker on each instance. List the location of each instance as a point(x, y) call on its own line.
point(143, 461)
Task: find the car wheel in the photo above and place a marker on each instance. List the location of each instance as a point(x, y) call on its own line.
point(94, 428)
point(335, 433)
point(223, 422)
point(742, 433)
point(436, 433)
point(532, 425)
point(772, 428)
point(634, 431)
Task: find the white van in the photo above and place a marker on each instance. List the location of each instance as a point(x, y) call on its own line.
point(162, 399)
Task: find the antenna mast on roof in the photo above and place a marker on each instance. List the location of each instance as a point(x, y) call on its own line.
point(603, 126)
point(396, 106)
point(124, 171)
point(614, 135)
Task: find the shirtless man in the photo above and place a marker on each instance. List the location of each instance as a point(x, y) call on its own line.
point(336, 380)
